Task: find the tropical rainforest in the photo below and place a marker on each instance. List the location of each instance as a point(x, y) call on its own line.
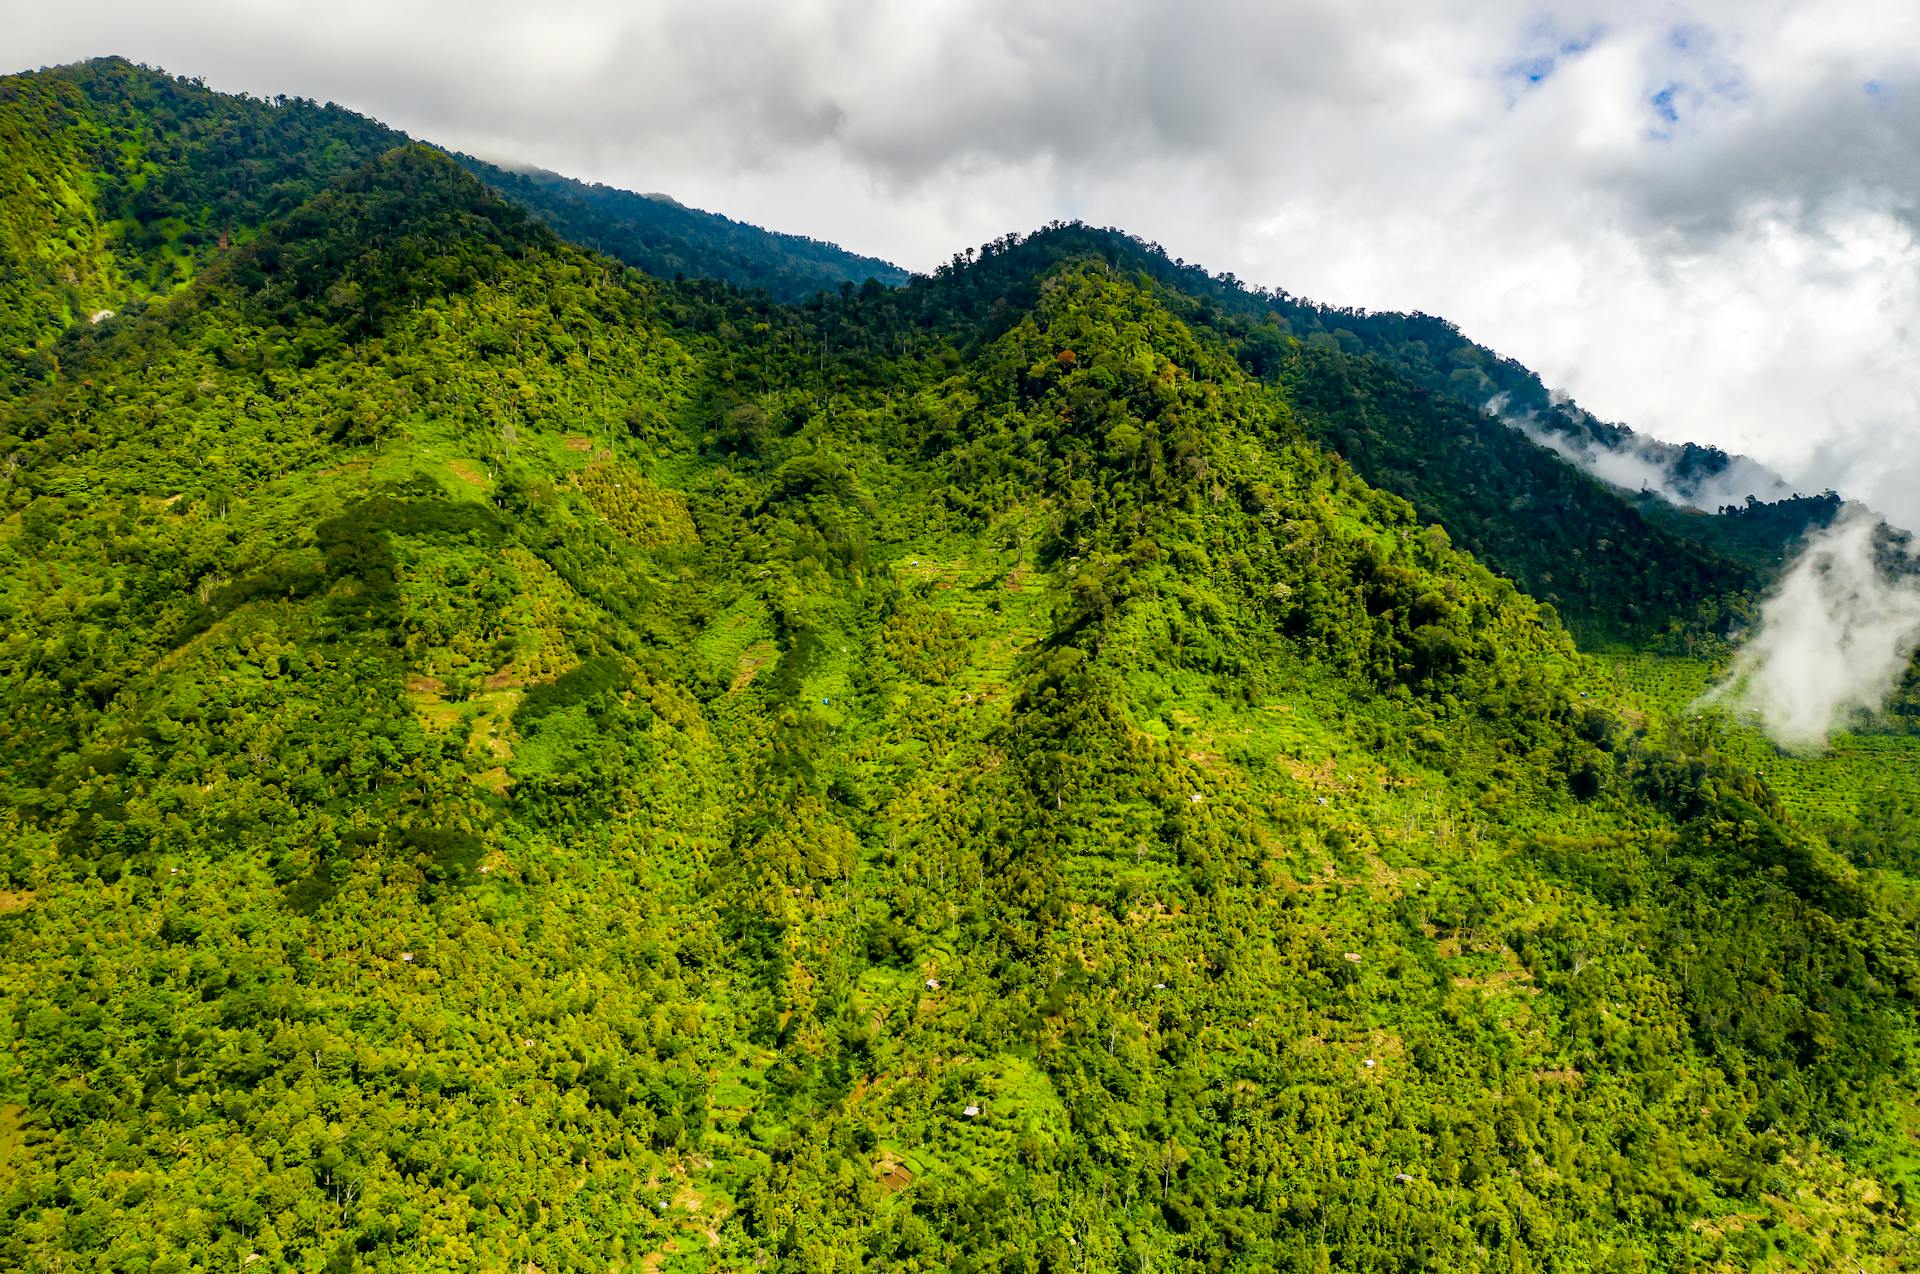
point(534, 737)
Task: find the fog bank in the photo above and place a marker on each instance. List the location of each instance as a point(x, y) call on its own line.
point(1833, 638)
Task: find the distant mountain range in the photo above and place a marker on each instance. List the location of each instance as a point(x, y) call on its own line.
point(221, 165)
point(663, 237)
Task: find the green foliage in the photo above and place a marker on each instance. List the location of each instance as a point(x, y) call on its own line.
point(1563, 537)
point(507, 760)
point(117, 185)
point(1404, 399)
point(120, 184)
point(1760, 534)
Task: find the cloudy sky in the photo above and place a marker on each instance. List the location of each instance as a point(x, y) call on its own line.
point(1699, 219)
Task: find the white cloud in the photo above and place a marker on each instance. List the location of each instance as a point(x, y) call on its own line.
point(1642, 464)
point(1699, 218)
point(1833, 641)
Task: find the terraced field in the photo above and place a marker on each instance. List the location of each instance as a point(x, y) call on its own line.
point(1827, 789)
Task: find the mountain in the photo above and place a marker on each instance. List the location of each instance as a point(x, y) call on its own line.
point(1728, 504)
point(665, 238)
point(120, 184)
point(1688, 475)
point(160, 157)
point(1432, 355)
point(1614, 568)
point(509, 761)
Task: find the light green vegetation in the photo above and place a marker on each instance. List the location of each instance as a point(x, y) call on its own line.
point(1862, 790)
point(507, 760)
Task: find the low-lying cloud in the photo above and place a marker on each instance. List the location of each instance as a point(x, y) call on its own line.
point(1645, 464)
point(1834, 637)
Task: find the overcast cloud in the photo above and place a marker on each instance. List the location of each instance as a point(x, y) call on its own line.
point(1699, 219)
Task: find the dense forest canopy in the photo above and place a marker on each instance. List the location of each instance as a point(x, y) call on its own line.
point(122, 183)
point(509, 761)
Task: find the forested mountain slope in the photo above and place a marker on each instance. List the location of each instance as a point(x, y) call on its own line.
point(123, 182)
point(511, 761)
point(1613, 568)
point(1763, 534)
point(1446, 455)
point(119, 183)
point(1434, 354)
point(667, 239)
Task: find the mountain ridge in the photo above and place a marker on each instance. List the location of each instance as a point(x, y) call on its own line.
point(642, 230)
point(1435, 356)
point(669, 240)
point(158, 175)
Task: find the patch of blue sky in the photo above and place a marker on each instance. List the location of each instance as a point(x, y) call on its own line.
point(1702, 76)
point(1525, 72)
point(1533, 70)
point(1710, 72)
point(1580, 44)
point(1686, 37)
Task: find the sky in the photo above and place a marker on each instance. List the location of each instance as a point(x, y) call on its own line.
point(1698, 219)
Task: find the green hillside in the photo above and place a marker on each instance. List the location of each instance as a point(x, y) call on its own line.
point(1439, 448)
point(1614, 568)
point(126, 186)
point(509, 762)
point(118, 184)
point(1762, 534)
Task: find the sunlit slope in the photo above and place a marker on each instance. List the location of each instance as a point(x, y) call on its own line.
point(120, 183)
point(512, 761)
point(1612, 571)
point(125, 182)
point(1862, 790)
